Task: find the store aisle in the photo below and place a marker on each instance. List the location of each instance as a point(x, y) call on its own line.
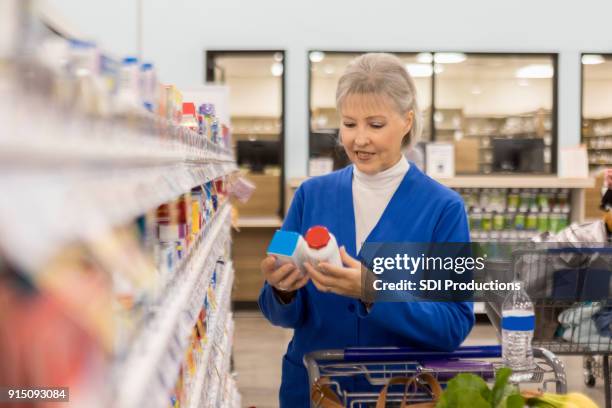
point(259, 347)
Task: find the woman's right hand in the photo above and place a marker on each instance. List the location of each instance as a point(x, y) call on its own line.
point(286, 280)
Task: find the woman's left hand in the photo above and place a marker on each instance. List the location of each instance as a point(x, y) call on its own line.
point(340, 280)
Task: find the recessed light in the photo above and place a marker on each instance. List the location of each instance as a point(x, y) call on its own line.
point(316, 56)
point(449, 57)
point(424, 58)
point(592, 59)
point(535, 71)
point(277, 69)
point(419, 70)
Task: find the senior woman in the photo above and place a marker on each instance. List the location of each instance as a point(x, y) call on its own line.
point(380, 197)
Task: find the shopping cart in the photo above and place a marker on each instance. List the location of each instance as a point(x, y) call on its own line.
point(570, 288)
point(373, 367)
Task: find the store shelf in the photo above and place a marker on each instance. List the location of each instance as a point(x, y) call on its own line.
point(503, 181)
point(448, 129)
point(217, 334)
point(149, 372)
point(602, 135)
point(221, 359)
point(260, 222)
point(105, 142)
point(256, 133)
point(82, 204)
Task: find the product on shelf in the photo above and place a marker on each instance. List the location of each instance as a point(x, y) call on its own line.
point(515, 214)
point(149, 86)
point(189, 119)
point(128, 97)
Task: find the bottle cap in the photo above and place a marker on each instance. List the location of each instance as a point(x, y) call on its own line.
point(130, 60)
point(207, 109)
point(188, 108)
point(317, 237)
point(146, 66)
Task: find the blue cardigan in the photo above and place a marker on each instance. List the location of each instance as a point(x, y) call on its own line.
point(421, 210)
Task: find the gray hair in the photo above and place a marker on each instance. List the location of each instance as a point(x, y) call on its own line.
point(385, 75)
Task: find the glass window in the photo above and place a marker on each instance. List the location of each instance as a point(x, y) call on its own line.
point(255, 80)
point(597, 108)
point(497, 110)
point(325, 71)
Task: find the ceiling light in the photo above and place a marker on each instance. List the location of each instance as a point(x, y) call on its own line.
point(419, 70)
point(277, 69)
point(316, 56)
point(278, 56)
point(592, 59)
point(449, 57)
point(476, 90)
point(424, 58)
point(535, 71)
point(523, 82)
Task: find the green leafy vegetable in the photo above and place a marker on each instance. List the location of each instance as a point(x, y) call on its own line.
point(471, 391)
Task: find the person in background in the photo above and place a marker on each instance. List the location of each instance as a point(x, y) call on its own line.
point(380, 197)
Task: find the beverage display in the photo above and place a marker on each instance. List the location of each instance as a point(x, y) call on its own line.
point(515, 214)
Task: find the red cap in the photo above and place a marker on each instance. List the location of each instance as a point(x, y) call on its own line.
point(317, 237)
point(189, 108)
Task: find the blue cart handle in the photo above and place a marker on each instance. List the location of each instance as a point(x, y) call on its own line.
point(578, 250)
point(402, 354)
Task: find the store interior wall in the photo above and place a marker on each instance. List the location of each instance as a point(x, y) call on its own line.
point(175, 35)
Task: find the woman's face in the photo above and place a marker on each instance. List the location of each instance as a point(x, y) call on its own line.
point(371, 131)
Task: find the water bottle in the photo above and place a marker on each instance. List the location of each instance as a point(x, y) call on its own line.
point(518, 323)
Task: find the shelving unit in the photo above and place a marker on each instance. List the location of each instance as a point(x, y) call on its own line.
point(130, 205)
point(167, 334)
point(482, 129)
point(256, 127)
point(260, 222)
point(597, 135)
point(217, 354)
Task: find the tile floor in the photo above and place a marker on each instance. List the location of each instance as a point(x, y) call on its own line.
point(259, 347)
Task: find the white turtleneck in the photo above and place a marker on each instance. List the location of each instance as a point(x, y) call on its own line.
point(371, 194)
